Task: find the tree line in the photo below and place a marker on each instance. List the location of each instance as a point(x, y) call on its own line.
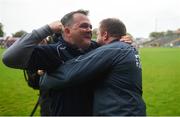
point(16, 34)
point(168, 33)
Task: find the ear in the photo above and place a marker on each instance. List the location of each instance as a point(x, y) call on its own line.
point(66, 30)
point(105, 36)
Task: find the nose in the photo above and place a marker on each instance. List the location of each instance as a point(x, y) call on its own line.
point(89, 29)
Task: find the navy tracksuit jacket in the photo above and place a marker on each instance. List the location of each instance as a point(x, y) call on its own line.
point(71, 101)
point(116, 72)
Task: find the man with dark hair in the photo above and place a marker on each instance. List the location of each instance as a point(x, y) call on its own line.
point(76, 40)
point(77, 33)
point(114, 28)
point(115, 69)
point(68, 18)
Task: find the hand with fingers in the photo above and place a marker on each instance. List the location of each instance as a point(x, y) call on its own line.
point(127, 39)
point(56, 26)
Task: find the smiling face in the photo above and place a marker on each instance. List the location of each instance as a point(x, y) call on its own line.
point(80, 31)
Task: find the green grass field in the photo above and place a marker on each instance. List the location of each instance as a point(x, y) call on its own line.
point(16, 98)
point(161, 80)
point(160, 85)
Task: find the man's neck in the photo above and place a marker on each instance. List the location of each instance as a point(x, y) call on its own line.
point(112, 39)
point(69, 43)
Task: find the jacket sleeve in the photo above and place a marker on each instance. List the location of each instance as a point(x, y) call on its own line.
point(80, 70)
point(18, 55)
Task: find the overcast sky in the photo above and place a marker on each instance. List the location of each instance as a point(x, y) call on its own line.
point(140, 16)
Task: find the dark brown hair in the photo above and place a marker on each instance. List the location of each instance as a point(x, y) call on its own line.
point(113, 26)
point(67, 20)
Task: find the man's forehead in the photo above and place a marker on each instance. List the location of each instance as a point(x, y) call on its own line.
point(78, 17)
point(83, 22)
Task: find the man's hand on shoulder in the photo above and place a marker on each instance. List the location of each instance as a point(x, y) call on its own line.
point(127, 39)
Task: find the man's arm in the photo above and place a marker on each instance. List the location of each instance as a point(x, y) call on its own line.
point(82, 69)
point(18, 55)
